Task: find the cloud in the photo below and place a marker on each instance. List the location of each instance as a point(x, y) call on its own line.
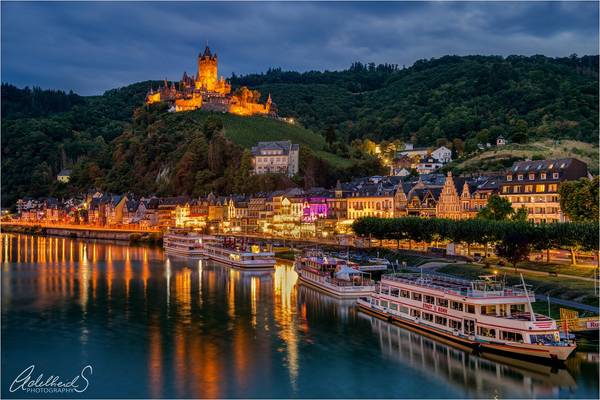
point(92, 47)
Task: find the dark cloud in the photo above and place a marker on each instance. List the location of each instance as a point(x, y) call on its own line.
point(92, 47)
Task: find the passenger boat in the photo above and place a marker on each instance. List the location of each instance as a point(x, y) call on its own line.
point(237, 252)
point(231, 251)
point(484, 314)
point(332, 275)
point(187, 244)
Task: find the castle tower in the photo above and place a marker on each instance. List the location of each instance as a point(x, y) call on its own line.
point(207, 71)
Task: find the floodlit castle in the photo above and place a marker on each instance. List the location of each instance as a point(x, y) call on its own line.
point(209, 92)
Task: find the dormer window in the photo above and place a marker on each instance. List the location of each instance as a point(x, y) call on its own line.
point(543, 175)
point(509, 178)
point(531, 177)
point(555, 175)
point(520, 177)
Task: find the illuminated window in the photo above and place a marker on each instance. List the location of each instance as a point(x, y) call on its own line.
point(531, 177)
point(540, 188)
point(553, 187)
point(509, 178)
point(528, 188)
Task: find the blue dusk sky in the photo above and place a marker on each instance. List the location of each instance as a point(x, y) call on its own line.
point(91, 47)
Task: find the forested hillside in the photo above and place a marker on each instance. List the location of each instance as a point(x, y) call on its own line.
point(472, 98)
point(114, 142)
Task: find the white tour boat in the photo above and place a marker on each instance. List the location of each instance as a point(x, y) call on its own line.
point(235, 252)
point(184, 244)
point(484, 314)
point(332, 275)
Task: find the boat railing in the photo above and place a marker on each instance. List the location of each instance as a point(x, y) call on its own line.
point(349, 284)
point(426, 280)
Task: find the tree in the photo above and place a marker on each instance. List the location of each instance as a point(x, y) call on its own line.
point(520, 214)
point(242, 183)
point(330, 136)
point(516, 244)
point(579, 199)
point(497, 209)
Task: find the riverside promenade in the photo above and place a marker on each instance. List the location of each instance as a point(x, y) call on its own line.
point(80, 231)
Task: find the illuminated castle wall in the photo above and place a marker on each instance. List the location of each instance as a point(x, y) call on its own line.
point(207, 91)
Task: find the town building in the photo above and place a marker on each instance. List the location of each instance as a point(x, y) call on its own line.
point(442, 154)
point(276, 158)
point(64, 176)
point(534, 185)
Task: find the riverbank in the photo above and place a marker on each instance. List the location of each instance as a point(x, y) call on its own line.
point(83, 232)
point(571, 289)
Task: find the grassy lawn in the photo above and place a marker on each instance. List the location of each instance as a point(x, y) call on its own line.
point(586, 152)
point(587, 272)
point(247, 131)
point(563, 288)
point(566, 269)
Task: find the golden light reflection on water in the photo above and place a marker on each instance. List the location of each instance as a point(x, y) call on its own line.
point(284, 286)
point(103, 278)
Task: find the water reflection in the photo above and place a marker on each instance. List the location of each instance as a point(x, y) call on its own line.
point(169, 327)
point(478, 376)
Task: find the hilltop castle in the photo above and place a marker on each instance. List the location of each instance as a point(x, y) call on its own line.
point(209, 92)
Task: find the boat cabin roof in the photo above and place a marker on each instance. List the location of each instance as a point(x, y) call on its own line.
point(485, 287)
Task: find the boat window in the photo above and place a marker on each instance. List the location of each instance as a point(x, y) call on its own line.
point(455, 305)
point(394, 292)
point(543, 339)
point(428, 317)
point(383, 303)
point(487, 332)
point(512, 336)
point(405, 294)
point(488, 310)
point(429, 299)
point(517, 308)
point(470, 308)
point(384, 289)
point(404, 310)
point(442, 302)
point(441, 320)
point(455, 324)
point(416, 296)
point(394, 306)
point(415, 313)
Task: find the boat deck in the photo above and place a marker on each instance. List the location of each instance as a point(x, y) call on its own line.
point(457, 286)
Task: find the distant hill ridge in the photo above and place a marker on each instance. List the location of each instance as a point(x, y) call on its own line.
point(471, 99)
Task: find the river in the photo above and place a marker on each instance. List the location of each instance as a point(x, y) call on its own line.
point(149, 325)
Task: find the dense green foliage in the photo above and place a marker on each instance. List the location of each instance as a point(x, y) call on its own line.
point(198, 152)
point(510, 236)
point(473, 98)
point(579, 199)
point(45, 131)
point(112, 142)
point(456, 100)
point(499, 209)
